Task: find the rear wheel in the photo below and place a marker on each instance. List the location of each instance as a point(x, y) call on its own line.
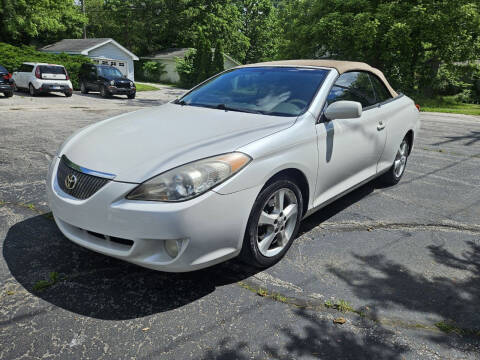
point(83, 88)
point(68, 93)
point(395, 173)
point(32, 90)
point(273, 223)
point(104, 92)
point(8, 94)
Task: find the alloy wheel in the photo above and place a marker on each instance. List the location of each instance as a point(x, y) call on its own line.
point(401, 159)
point(277, 222)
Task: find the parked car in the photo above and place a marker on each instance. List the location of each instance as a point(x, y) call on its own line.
point(6, 82)
point(107, 80)
point(42, 78)
point(233, 166)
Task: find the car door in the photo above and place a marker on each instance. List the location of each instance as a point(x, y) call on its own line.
point(349, 149)
point(91, 78)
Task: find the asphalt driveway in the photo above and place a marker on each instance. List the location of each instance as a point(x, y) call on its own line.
point(401, 265)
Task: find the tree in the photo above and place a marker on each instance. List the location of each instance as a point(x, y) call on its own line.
point(41, 21)
point(407, 39)
point(260, 26)
point(202, 62)
point(218, 61)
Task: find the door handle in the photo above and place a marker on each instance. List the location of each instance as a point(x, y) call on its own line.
point(381, 125)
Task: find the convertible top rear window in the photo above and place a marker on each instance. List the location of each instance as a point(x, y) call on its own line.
point(280, 91)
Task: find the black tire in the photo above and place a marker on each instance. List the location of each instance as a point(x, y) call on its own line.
point(32, 90)
point(104, 92)
point(8, 94)
point(69, 93)
point(251, 253)
point(131, 96)
point(83, 88)
point(393, 176)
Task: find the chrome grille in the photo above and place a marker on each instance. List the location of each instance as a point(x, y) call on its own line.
point(85, 185)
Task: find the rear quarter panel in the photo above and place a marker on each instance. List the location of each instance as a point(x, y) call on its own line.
point(400, 116)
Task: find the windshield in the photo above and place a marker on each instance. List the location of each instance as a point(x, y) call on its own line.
point(281, 91)
point(3, 70)
point(109, 72)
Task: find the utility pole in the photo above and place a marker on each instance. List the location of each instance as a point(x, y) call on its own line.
point(84, 25)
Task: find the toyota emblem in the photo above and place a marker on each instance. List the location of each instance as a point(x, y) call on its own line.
point(70, 181)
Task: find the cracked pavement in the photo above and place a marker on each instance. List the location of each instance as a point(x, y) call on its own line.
point(406, 258)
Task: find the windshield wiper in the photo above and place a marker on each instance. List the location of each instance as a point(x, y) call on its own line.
point(229, 108)
point(180, 102)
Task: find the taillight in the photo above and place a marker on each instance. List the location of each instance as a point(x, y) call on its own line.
point(37, 73)
point(66, 74)
point(417, 106)
point(8, 76)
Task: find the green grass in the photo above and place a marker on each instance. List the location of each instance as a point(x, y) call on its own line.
point(40, 285)
point(144, 87)
point(448, 104)
point(340, 305)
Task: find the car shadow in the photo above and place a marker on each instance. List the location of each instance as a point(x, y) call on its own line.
point(98, 286)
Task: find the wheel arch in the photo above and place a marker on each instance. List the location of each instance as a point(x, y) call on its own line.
point(410, 136)
point(299, 178)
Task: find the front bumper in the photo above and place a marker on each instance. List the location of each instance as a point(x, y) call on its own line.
point(121, 91)
point(209, 228)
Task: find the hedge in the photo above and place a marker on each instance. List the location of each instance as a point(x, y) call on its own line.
point(11, 57)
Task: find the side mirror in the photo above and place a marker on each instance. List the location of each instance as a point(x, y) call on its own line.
point(343, 110)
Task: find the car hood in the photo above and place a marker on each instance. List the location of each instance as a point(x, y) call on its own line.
point(139, 145)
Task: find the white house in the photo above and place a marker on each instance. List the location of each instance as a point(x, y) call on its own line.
point(167, 58)
point(105, 51)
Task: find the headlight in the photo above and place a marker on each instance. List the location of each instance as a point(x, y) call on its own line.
point(112, 82)
point(190, 180)
point(131, 83)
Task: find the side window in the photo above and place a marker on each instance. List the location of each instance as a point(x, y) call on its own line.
point(353, 86)
point(380, 89)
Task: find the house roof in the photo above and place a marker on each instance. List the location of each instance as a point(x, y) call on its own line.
point(83, 46)
point(340, 66)
point(172, 53)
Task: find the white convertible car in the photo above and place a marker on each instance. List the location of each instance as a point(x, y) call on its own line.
point(233, 166)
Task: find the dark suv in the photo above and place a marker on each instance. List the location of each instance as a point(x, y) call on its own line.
point(6, 82)
point(108, 80)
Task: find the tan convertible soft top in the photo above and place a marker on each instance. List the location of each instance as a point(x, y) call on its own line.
point(340, 66)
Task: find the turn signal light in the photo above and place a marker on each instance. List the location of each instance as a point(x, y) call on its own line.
point(417, 106)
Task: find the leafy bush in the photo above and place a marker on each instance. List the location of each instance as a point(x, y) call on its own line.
point(13, 56)
point(153, 70)
point(185, 69)
point(199, 64)
point(461, 80)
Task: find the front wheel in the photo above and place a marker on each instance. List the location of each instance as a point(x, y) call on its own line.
point(8, 94)
point(395, 173)
point(273, 223)
point(131, 96)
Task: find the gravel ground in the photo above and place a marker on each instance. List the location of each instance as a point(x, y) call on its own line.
point(404, 262)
